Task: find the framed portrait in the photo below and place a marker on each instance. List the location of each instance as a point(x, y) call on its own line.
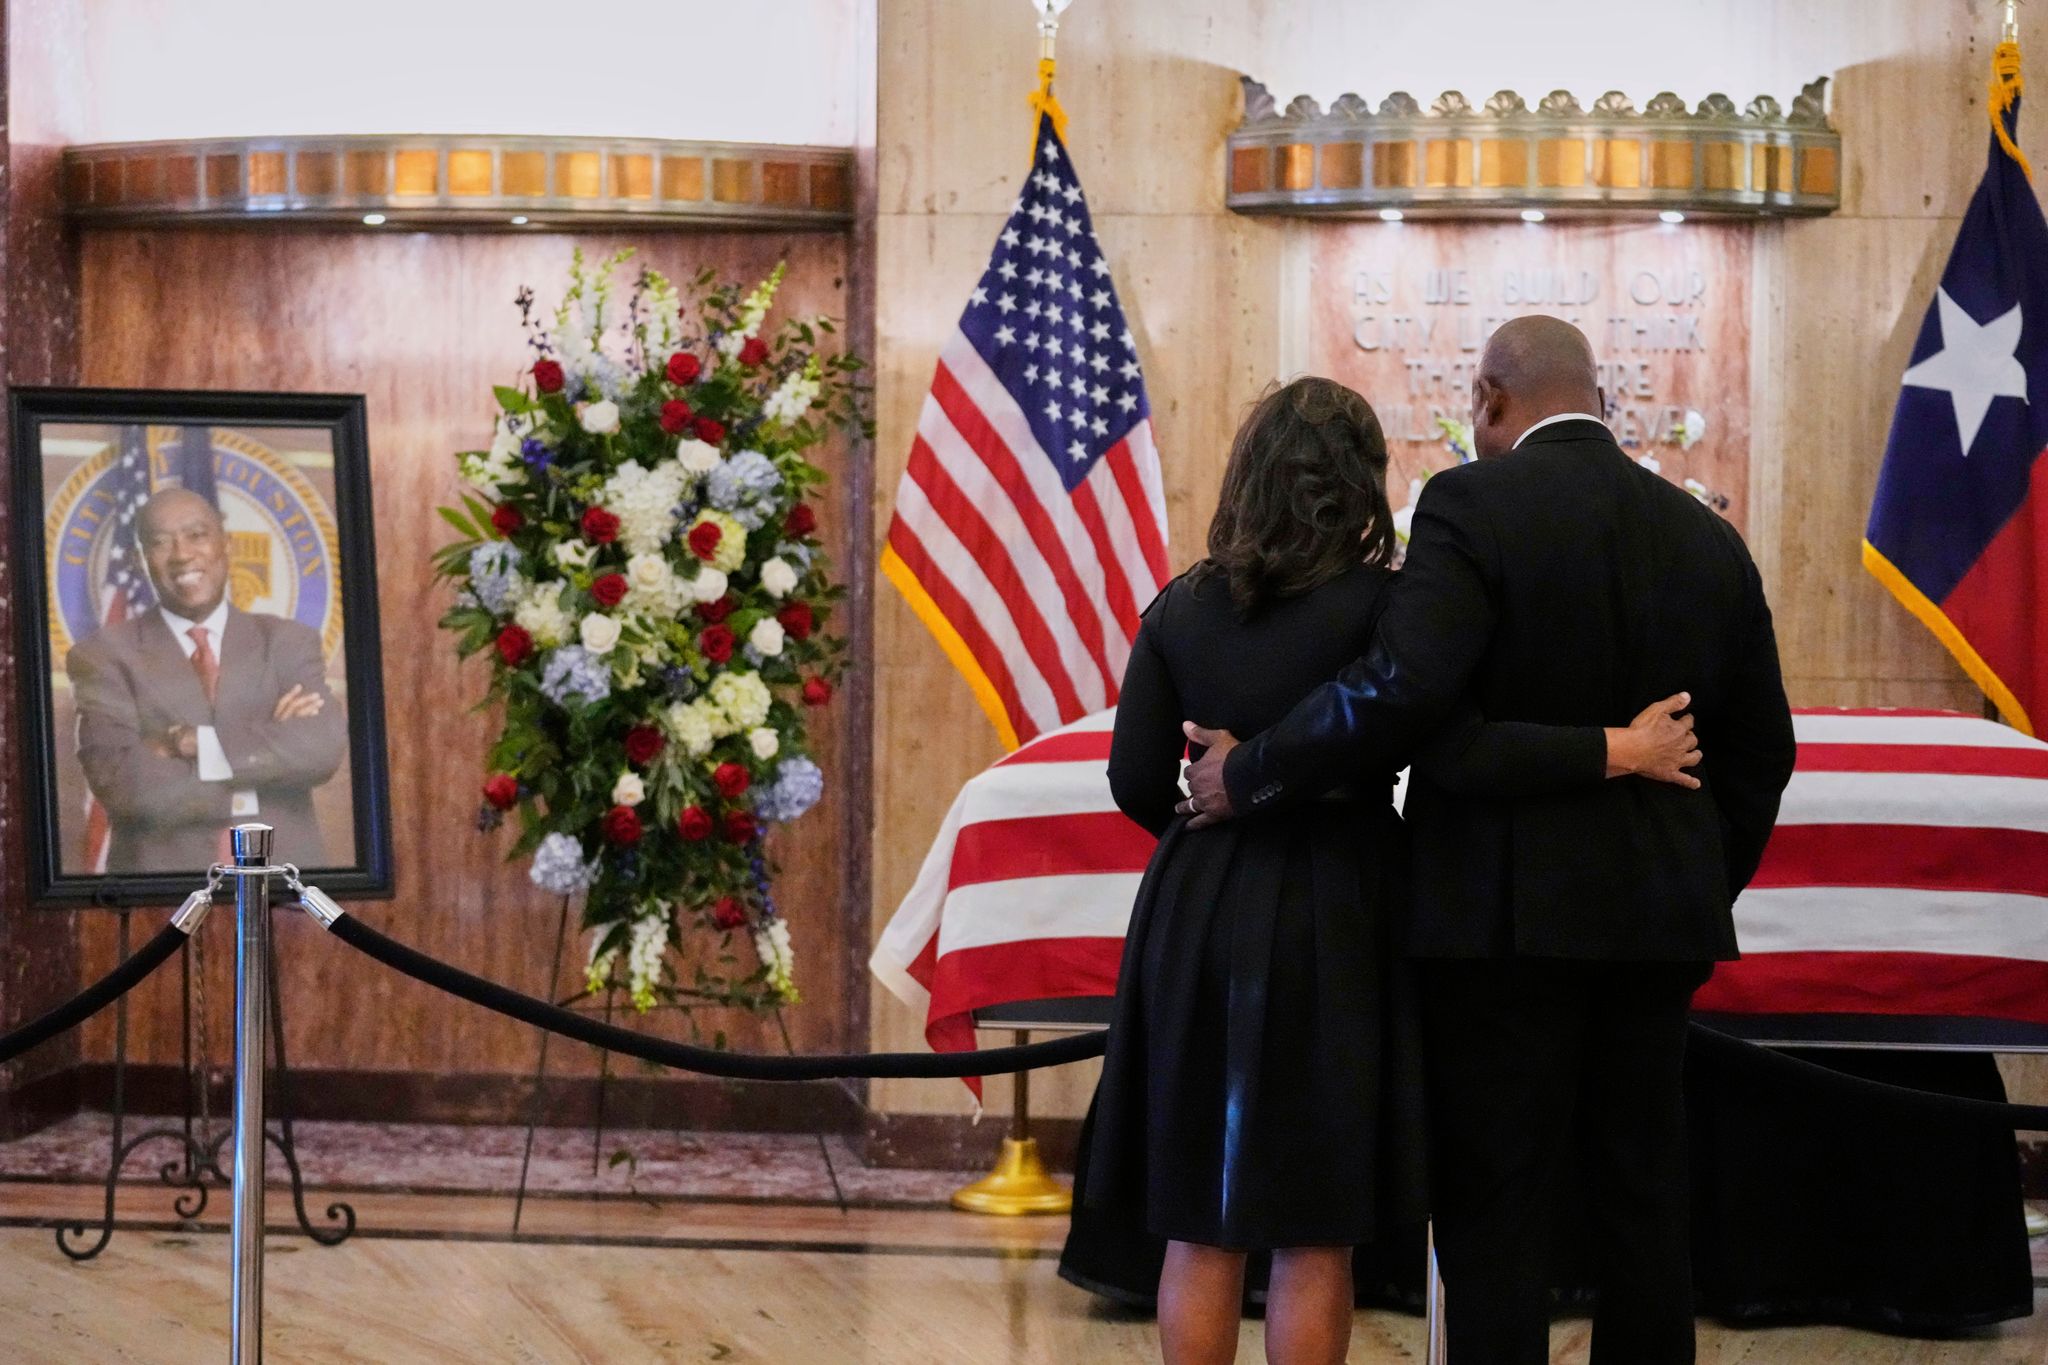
point(197, 605)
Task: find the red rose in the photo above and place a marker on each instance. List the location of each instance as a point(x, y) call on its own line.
point(717, 643)
point(622, 825)
point(712, 613)
point(547, 376)
point(609, 589)
point(514, 644)
point(704, 538)
point(675, 415)
point(683, 368)
point(754, 351)
point(797, 619)
point(644, 744)
point(801, 520)
point(506, 519)
point(694, 824)
point(739, 827)
point(710, 432)
point(600, 527)
point(502, 790)
point(732, 780)
point(728, 913)
point(817, 691)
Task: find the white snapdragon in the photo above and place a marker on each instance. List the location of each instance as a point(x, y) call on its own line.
point(575, 554)
point(794, 396)
point(643, 954)
point(600, 418)
point(600, 632)
point(778, 578)
point(771, 943)
point(696, 457)
point(764, 742)
point(541, 614)
point(598, 970)
point(766, 636)
point(629, 790)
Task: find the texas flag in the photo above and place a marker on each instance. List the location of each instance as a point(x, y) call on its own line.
point(1959, 527)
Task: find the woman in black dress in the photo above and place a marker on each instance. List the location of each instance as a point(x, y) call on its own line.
point(1261, 1090)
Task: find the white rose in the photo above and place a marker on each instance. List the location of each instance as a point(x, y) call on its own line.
point(766, 636)
point(709, 585)
point(648, 571)
point(695, 456)
point(778, 579)
point(629, 790)
point(575, 554)
point(600, 632)
point(765, 741)
point(601, 418)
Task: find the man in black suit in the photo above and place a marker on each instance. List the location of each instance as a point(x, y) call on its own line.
point(1562, 934)
point(197, 715)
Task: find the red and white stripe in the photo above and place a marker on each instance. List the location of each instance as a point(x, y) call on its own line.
point(1908, 875)
point(1044, 586)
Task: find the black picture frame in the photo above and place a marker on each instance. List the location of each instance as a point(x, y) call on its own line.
point(363, 871)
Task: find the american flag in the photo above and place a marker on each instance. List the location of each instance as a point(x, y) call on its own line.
point(1030, 526)
point(1908, 876)
point(126, 591)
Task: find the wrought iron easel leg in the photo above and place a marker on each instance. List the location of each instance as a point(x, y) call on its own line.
point(339, 1212)
point(540, 1071)
point(604, 1080)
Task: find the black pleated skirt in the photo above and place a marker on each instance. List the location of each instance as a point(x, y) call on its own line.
point(1262, 1087)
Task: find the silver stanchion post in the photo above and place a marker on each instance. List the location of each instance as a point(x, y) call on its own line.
point(1433, 1308)
point(251, 845)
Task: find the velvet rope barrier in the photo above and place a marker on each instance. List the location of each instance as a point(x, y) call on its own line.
point(96, 997)
point(997, 1061)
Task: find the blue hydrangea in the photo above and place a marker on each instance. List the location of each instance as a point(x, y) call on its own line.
point(494, 575)
point(797, 786)
point(744, 486)
point(796, 553)
point(558, 865)
point(574, 671)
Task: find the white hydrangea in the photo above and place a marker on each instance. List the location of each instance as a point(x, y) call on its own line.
point(653, 589)
point(629, 790)
point(765, 742)
point(742, 698)
point(732, 540)
point(600, 632)
point(766, 636)
point(694, 725)
point(644, 500)
point(771, 942)
point(644, 953)
point(541, 614)
point(778, 579)
point(696, 457)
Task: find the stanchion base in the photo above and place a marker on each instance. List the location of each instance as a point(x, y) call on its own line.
point(2037, 1223)
point(1018, 1185)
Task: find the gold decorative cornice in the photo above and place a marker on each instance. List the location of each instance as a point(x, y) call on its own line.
point(505, 183)
point(1453, 160)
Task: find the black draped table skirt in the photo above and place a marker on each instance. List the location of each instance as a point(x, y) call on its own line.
point(1808, 1206)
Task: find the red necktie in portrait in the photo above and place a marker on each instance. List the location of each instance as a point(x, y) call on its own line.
point(204, 663)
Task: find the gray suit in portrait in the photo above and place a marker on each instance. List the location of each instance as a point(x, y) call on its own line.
point(134, 684)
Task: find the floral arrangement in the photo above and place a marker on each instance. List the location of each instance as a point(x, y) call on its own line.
point(639, 562)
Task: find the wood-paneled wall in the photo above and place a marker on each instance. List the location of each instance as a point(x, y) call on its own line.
point(1221, 305)
point(423, 325)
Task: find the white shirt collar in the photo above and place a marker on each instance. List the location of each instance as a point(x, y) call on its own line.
point(215, 622)
point(1556, 417)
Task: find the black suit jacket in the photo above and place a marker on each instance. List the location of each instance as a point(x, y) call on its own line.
point(133, 682)
point(1565, 585)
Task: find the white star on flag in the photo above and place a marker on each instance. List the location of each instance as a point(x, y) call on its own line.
point(1974, 365)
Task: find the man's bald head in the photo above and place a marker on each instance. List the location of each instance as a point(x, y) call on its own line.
point(1533, 367)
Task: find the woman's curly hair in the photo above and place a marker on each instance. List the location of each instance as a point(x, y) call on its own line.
point(1304, 496)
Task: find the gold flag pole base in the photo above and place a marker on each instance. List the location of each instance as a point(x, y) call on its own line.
point(2037, 1220)
point(1019, 1184)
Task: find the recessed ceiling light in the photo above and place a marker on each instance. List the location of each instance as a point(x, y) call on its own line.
point(518, 220)
point(373, 220)
point(1391, 215)
point(1532, 215)
point(1672, 216)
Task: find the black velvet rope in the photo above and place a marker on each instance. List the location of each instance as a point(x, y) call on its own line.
point(995, 1061)
point(96, 997)
point(2025, 1117)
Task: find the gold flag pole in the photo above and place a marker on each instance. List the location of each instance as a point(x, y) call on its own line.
point(1020, 1183)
